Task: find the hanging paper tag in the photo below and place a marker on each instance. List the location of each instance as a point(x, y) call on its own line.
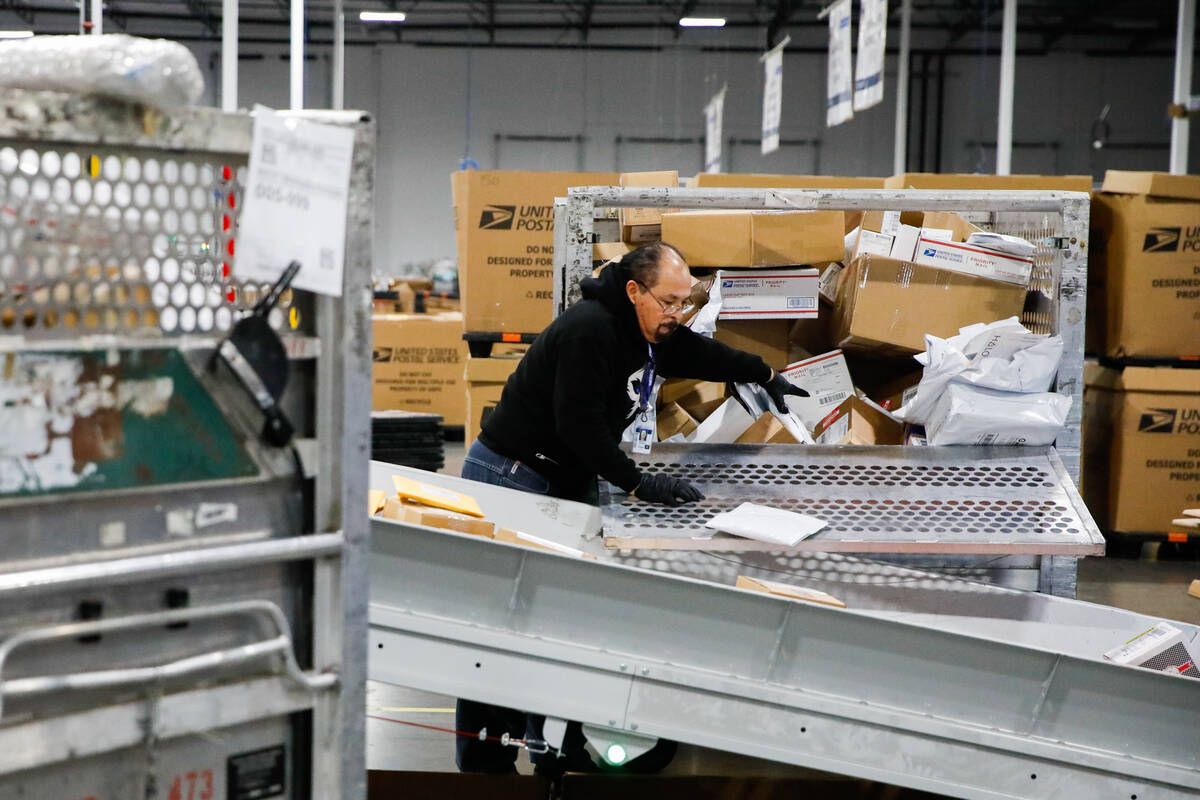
point(840, 80)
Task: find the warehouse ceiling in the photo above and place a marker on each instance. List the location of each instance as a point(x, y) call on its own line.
point(1093, 27)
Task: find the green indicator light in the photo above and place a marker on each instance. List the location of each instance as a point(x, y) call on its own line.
point(615, 754)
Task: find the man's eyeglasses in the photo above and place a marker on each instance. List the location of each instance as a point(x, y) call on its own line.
point(668, 308)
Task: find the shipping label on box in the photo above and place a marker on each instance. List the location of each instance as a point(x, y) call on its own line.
point(972, 260)
point(879, 244)
point(827, 284)
point(827, 380)
point(769, 294)
point(418, 364)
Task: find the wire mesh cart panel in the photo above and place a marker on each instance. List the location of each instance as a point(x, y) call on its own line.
point(1056, 221)
point(184, 602)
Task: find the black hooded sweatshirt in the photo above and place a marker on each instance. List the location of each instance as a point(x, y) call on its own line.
point(565, 407)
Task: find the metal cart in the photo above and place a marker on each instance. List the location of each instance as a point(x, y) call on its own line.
point(1056, 221)
point(924, 680)
point(184, 605)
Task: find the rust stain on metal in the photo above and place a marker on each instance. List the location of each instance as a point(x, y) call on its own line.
point(98, 437)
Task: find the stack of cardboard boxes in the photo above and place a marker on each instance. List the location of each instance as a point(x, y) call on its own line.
point(838, 303)
point(1142, 403)
point(504, 230)
point(846, 322)
point(418, 364)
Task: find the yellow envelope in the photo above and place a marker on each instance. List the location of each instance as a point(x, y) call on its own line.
point(436, 496)
point(375, 499)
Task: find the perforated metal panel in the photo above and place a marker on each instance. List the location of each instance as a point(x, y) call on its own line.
point(1043, 230)
point(101, 240)
point(874, 499)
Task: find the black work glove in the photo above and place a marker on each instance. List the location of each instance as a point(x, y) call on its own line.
point(666, 490)
point(778, 387)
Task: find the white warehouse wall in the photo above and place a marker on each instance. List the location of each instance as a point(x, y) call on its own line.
point(418, 96)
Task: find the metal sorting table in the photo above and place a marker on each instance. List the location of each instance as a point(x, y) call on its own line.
point(924, 680)
point(951, 500)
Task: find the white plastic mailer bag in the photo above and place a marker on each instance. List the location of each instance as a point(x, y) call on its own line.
point(971, 415)
point(1001, 355)
point(158, 72)
point(766, 524)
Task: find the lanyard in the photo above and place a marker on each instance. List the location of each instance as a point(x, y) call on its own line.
point(647, 381)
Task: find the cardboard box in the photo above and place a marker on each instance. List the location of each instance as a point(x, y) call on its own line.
point(932, 180)
point(642, 225)
point(673, 419)
point(857, 421)
point(417, 514)
point(905, 229)
point(485, 381)
point(1144, 276)
point(826, 378)
point(972, 260)
point(681, 390)
point(1154, 184)
point(504, 228)
point(898, 392)
point(827, 283)
point(418, 364)
point(755, 238)
point(1141, 442)
point(734, 180)
point(769, 294)
point(770, 339)
point(788, 590)
point(885, 306)
point(603, 252)
point(767, 429)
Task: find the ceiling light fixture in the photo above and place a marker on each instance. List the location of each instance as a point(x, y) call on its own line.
point(702, 22)
point(382, 16)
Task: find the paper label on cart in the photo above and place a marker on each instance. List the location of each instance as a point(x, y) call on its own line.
point(215, 513)
point(295, 202)
point(257, 774)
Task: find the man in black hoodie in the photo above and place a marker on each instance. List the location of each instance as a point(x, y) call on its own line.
point(560, 418)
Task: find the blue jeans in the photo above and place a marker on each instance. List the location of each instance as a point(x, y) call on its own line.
point(487, 466)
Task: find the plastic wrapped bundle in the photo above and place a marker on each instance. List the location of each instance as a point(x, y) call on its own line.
point(152, 71)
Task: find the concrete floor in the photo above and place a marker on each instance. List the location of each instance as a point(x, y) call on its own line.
point(1149, 585)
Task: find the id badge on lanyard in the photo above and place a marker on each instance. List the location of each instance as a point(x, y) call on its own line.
point(643, 428)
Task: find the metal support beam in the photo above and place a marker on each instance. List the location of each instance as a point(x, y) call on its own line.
point(97, 17)
point(229, 55)
point(297, 56)
point(781, 19)
point(1008, 58)
point(200, 11)
point(900, 154)
point(1184, 32)
point(338, 79)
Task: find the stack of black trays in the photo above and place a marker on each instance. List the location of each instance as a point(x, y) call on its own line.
point(408, 438)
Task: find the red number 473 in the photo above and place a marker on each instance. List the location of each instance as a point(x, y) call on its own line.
point(184, 787)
